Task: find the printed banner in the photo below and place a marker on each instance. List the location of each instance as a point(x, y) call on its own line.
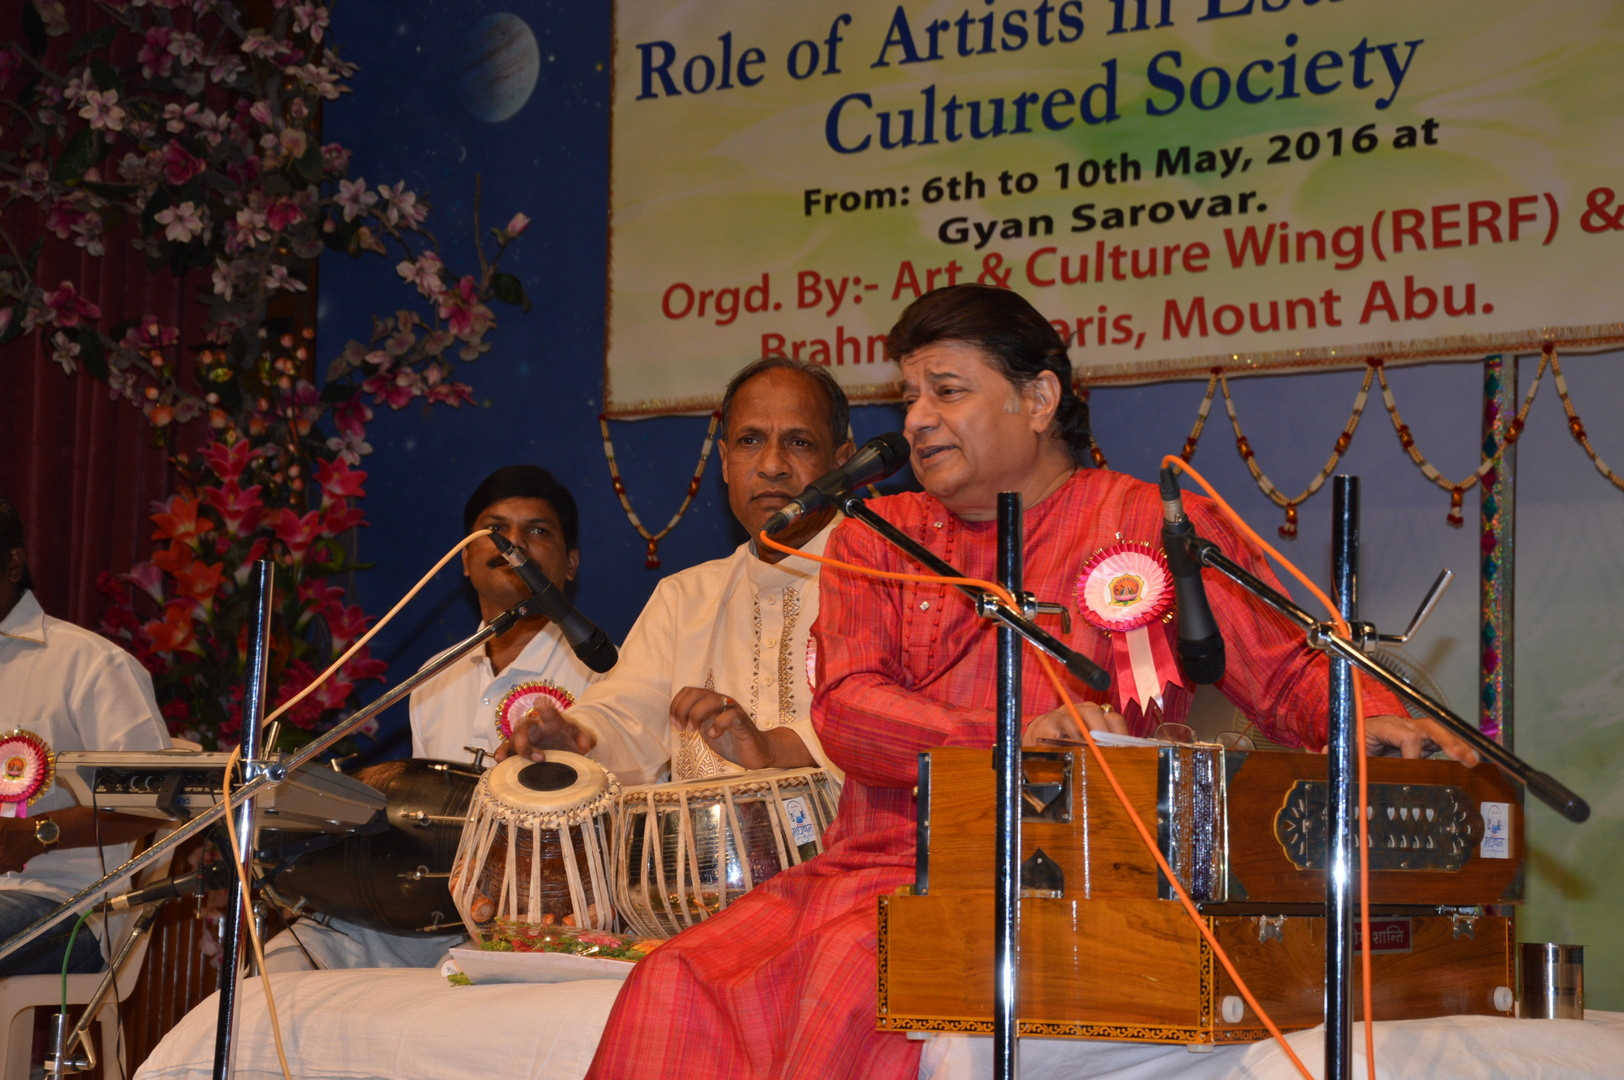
point(1177, 184)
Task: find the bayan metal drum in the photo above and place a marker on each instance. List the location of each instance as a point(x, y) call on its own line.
point(390, 875)
point(685, 851)
point(536, 844)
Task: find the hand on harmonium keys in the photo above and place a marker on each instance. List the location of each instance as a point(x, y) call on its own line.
point(724, 724)
point(544, 728)
point(1058, 724)
point(1413, 737)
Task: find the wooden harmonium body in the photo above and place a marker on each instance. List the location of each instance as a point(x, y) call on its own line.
point(1108, 952)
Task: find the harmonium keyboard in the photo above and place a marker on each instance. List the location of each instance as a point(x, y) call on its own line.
point(1107, 952)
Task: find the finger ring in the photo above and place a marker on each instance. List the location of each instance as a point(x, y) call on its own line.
point(1105, 706)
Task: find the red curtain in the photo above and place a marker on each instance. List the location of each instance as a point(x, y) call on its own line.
point(82, 469)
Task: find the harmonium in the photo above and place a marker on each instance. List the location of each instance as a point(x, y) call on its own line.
point(1108, 952)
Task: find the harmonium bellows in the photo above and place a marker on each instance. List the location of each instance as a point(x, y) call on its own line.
point(1106, 952)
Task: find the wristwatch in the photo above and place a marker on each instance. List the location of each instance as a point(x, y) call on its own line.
point(47, 832)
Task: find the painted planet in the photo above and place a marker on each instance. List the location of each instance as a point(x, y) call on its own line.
point(497, 67)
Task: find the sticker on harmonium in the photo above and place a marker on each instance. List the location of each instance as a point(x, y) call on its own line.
point(1496, 830)
point(801, 827)
point(1386, 936)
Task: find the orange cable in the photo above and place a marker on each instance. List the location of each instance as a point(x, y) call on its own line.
point(1105, 768)
point(1359, 750)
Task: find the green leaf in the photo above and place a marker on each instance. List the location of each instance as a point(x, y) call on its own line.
point(309, 165)
point(95, 41)
point(81, 152)
point(34, 31)
point(105, 77)
point(506, 288)
point(335, 393)
point(91, 352)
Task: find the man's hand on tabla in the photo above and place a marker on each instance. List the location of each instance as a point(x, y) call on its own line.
point(724, 724)
point(544, 728)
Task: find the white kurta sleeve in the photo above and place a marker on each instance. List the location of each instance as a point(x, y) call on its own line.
point(629, 708)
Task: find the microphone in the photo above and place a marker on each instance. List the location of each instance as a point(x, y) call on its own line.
point(592, 645)
point(1201, 645)
point(875, 460)
point(213, 876)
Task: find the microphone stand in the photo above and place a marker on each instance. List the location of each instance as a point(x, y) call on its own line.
point(988, 607)
point(1323, 636)
point(1346, 653)
point(1007, 752)
point(253, 768)
point(278, 770)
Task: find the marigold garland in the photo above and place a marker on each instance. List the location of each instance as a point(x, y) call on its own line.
point(1276, 496)
point(1458, 490)
point(652, 560)
point(1576, 428)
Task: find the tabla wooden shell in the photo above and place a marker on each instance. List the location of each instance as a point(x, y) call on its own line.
point(535, 846)
point(684, 851)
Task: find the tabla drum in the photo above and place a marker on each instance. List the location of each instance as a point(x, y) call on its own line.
point(684, 851)
point(392, 875)
point(535, 848)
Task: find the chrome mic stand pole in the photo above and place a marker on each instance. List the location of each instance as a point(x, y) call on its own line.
point(198, 824)
point(233, 925)
point(1340, 765)
point(1007, 942)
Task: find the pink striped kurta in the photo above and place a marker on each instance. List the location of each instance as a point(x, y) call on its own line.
point(783, 984)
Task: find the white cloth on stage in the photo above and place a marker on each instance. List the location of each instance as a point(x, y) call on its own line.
point(457, 708)
point(739, 626)
point(77, 691)
point(363, 1024)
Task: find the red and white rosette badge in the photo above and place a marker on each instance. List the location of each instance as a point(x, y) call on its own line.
point(27, 768)
point(1125, 589)
point(523, 697)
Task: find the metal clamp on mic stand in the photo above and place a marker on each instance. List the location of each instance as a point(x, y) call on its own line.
point(1341, 751)
point(273, 773)
point(1007, 753)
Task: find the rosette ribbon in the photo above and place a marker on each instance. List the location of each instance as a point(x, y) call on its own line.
point(27, 768)
point(1125, 589)
point(522, 698)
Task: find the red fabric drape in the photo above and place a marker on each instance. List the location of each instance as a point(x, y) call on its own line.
point(81, 468)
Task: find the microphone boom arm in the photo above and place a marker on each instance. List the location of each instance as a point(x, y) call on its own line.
point(1323, 636)
point(87, 896)
point(1090, 673)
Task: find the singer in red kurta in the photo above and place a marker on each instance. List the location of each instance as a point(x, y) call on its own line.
point(783, 983)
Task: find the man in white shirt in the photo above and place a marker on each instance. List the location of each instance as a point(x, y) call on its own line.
point(466, 705)
point(71, 690)
point(472, 702)
point(715, 676)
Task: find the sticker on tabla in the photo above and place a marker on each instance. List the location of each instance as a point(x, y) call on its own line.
point(526, 696)
point(27, 768)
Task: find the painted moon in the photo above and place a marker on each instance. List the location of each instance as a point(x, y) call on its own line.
point(497, 67)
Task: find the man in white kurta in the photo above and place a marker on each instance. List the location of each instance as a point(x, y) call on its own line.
point(739, 626)
point(714, 677)
point(458, 708)
point(462, 706)
point(75, 690)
